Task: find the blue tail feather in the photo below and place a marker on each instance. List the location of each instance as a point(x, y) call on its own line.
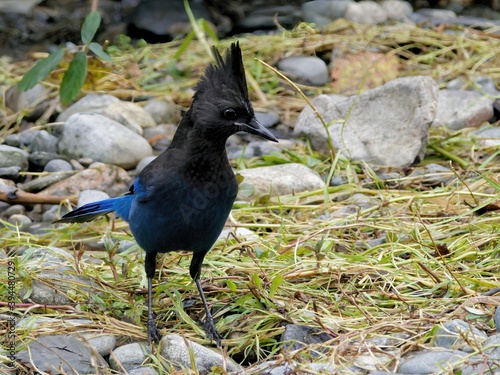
point(90, 211)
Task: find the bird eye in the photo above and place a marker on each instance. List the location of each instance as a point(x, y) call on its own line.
point(230, 114)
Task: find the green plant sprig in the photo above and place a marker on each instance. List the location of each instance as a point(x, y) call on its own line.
point(74, 77)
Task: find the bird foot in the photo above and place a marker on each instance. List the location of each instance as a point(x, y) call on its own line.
point(154, 334)
point(212, 332)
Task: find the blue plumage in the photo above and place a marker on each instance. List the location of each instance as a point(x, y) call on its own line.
point(182, 199)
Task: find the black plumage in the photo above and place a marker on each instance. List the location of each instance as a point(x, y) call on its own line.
point(182, 199)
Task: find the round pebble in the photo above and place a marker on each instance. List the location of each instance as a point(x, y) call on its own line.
point(90, 196)
point(58, 165)
point(19, 220)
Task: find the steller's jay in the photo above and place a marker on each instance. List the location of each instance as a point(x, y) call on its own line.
point(182, 199)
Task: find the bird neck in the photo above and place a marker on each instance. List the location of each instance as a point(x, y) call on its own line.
point(197, 143)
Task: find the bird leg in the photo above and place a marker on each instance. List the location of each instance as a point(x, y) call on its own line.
point(208, 324)
point(153, 333)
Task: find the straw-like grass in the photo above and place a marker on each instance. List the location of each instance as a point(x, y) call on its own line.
point(415, 256)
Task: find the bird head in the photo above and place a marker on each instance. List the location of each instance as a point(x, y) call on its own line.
point(221, 105)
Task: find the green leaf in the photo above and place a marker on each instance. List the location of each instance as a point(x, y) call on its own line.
point(231, 285)
point(73, 79)
point(40, 70)
point(275, 284)
point(90, 26)
point(97, 49)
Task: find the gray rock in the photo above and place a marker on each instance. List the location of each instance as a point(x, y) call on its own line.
point(10, 173)
point(397, 10)
point(5, 368)
point(18, 100)
point(323, 12)
point(262, 17)
point(482, 84)
point(457, 335)
point(50, 353)
point(365, 12)
point(442, 14)
point(94, 103)
point(143, 163)
point(44, 142)
point(491, 346)
point(129, 356)
point(103, 344)
point(462, 109)
point(163, 111)
point(496, 319)
point(16, 209)
point(54, 213)
point(297, 336)
point(252, 149)
point(41, 183)
point(52, 287)
point(486, 85)
point(90, 196)
point(40, 158)
point(431, 175)
point(124, 245)
point(174, 349)
point(143, 370)
point(160, 136)
point(376, 359)
point(308, 70)
point(275, 368)
point(165, 17)
point(20, 221)
point(242, 234)
point(268, 119)
point(54, 279)
point(488, 137)
point(116, 144)
point(280, 179)
point(38, 140)
point(130, 115)
point(13, 157)
point(387, 126)
point(427, 362)
point(12, 140)
point(58, 165)
point(108, 178)
point(310, 126)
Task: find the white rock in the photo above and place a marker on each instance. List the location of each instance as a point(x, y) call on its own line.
point(309, 70)
point(174, 349)
point(459, 109)
point(95, 103)
point(130, 115)
point(387, 126)
point(89, 135)
point(365, 12)
point(397, 10)
point(280, 179)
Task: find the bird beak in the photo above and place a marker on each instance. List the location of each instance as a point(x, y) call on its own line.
point(255, 127)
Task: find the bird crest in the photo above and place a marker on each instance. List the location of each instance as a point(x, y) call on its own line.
point(227, 73)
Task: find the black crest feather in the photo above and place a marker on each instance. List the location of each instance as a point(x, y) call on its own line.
point(227, 73)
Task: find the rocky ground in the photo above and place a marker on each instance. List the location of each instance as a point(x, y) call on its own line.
point(365, 241)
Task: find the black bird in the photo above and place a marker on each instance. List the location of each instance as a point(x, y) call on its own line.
point(182, 199)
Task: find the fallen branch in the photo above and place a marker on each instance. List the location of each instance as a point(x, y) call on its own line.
point(22, 197)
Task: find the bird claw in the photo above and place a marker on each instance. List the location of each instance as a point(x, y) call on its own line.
point(212, 332)
point(154, 334)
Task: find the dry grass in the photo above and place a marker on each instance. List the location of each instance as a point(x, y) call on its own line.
point(416, 256)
